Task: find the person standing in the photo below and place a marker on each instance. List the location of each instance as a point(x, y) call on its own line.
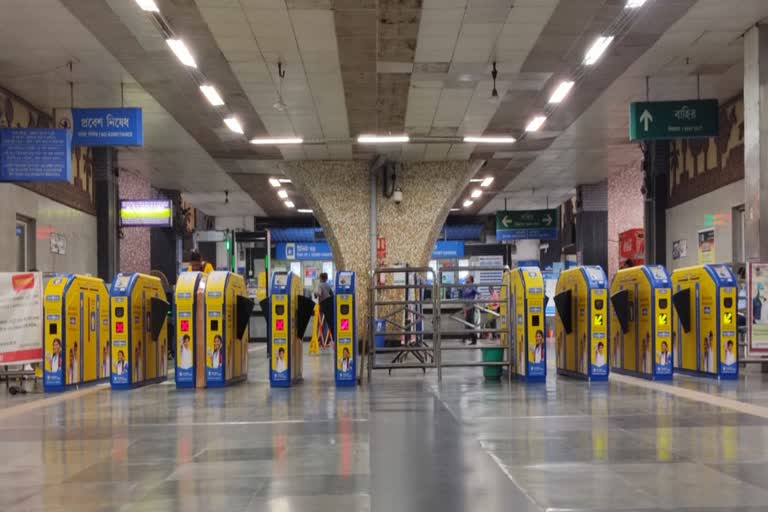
point(322, 293)
point(197, 264)
point(469, 292)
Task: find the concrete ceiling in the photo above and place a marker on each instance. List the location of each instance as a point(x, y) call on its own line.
point(421, 67)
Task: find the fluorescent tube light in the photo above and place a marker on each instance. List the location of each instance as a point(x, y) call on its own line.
point(487, 182)
point(182, 52)
point(274, 182)
point(561, 92)
point(382, 139)
point(212, 95)
point(468, 203)
point(490, 140)
point(304, 210)
point(535, 123)
point(635, 4)
point(290, 204)
point(284, 180)
point(476, 193)
point(282, 194)
point(455, 209)
point(234, 125)
point(275, 140)
point(597, 49)
point(148, 5)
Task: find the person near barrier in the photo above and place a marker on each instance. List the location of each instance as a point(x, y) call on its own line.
point(494, 307)
point(197, 264)
point(322, 293)
point(469, 292)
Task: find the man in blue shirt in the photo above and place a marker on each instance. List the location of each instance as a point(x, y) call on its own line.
point(470, 293)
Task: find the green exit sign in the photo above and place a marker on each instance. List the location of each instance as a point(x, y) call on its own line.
point(652, 120)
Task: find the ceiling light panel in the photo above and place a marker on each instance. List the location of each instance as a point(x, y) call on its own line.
point(212, 95)
point(282, 194)
point(382, 139)
point(234, 125)
point(561, 92)
point(597, 49)
point(536, 123)
point(182, 52)
point(148, 5)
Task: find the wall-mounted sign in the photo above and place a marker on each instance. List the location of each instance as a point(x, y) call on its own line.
point(58, 244)
point(448, 249)
point(35, 154)
point(317, 251)
point(679, 249)
point(649, 120)
point(156, 214)
point(527, 225)
point(706, 246)
point(107, 127)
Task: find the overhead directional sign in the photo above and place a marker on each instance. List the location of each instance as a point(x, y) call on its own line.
point(649, 120)
point(528, 224)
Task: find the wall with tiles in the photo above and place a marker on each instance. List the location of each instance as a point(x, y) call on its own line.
point(684, 222)
point(339, 194)
point(625, 209)
point(77, 228)
point(135, 242)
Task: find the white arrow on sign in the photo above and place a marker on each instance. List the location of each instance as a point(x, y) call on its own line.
point(646, 118)
point(506, 221)
point(547, 220)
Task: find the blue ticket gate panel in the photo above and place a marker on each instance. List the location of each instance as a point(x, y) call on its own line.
point(76, 336)
point(286, 348)
point(345, 329)
point(641, 322)
point(527, 324)
point(581, 323)
point(704, 321)
point(139, 331)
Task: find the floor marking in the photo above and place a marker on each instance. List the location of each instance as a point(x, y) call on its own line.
point(15, 410)
point(509, 475)
point(696, 396)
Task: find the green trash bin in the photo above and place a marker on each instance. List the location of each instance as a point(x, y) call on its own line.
point(495, 355)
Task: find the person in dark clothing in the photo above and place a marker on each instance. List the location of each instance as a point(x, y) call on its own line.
point(470, 293)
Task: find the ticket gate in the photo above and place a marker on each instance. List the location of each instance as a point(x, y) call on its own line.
point(641, 323)
point(704, 321)
point(345, 332)
point(139, 331)
point(76, 332)
point(526, 287)
point(289, 316)
point(189, 302)
point(581, 323)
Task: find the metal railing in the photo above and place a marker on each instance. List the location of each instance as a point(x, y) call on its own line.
point(472, 330)
point(399, 306)
point(420, 338)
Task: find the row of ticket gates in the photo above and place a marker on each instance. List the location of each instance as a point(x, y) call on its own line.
point(648, 323)
point(119, 334)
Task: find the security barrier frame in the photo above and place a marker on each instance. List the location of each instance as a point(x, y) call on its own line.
point(430, 357)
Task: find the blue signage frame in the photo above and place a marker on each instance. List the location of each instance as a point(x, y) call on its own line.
point(304, 251)
point(107, 127)
point(35, 155)
point(448, 249)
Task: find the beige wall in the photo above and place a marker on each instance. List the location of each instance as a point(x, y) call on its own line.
point(78, 228)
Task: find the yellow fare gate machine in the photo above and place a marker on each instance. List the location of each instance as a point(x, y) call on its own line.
point(346, 329)
point(581, 324)
point(76, 338)
point(529, 361)
point(704, 321)
point(139, 331)
point(641, 323)
point(288, 319)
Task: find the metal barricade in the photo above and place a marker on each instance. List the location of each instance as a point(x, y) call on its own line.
point(400, 306)
point(501, 330)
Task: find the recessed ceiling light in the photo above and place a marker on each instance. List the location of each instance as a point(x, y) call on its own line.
point(487, 182)
point(490, 140)
point(468, 203)
point(304, 210)
point(476, 193)
point(274, 182)
point(635, 4)
point(234, 125)
point(597, 49)
point(182, 52)
point(535, 123)
point(382, 139)
point(276, 140)
point(290, 204)
point(148, 5)
point(282, 194)
point(561, 92)
point(212, 95)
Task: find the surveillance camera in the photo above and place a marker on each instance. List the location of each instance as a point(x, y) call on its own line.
point(397, 196)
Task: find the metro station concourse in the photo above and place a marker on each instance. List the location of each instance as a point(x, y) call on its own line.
point(383, 255)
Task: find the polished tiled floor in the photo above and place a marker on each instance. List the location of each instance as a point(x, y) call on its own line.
point(405, 443)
